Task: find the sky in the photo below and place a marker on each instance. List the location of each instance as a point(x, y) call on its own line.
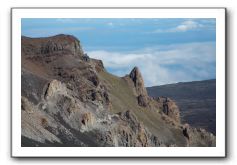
point(166, 50)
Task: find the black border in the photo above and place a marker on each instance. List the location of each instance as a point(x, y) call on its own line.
point(227, 80)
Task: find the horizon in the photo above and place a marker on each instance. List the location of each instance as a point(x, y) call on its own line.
point(181, 82)
point(167, 51)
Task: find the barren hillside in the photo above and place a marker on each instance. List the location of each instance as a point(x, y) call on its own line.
point(69, 99)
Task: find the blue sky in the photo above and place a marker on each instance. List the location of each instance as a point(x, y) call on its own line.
point(166, 50)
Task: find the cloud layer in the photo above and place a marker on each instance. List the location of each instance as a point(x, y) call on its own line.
point(164, 64)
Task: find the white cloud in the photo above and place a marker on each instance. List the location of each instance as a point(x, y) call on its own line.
point(110, 24)
point(164, 64)
point(188, 25)
point(183, 27)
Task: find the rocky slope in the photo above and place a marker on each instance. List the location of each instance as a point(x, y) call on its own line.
point(196, 101)
point(69, 99)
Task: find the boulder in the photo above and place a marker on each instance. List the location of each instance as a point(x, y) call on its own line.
point(26, 105)
point(53, 88)
point(87, 121)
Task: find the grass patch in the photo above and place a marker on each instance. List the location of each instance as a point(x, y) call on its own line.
point(123, 99)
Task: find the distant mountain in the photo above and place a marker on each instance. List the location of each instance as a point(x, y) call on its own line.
point(196, 100)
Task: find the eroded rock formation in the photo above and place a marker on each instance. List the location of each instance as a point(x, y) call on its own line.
point(70, 100)
point(57, 45)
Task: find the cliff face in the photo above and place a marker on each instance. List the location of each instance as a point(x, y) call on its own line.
point(57, 45)
point(68, 99)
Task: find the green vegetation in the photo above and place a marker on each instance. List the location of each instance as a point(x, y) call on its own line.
point(122, 98)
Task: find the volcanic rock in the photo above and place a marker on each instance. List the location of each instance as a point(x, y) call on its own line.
point(26, 105)
point(138, 81)
point(169, 108)
point(54, 87)
point(57, 45)
point(142, 100)
point(70, 100)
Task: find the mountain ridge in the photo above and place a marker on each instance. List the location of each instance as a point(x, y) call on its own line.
point(69, 99)
point(183, 82)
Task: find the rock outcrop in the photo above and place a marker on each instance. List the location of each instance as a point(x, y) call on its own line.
point(139, 87)
point(138, 81)
point(142, 100)
point(26, 105)
point(129, 132)
point(54, 87)
point(57, 45)
point(171, 109)
point(167, 105)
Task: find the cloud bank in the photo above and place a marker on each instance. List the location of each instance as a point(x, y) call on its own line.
point(164, 64)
